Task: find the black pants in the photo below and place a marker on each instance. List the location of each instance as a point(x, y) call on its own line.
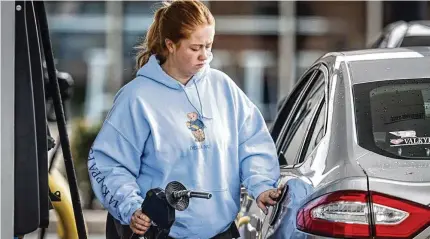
point(115, 230)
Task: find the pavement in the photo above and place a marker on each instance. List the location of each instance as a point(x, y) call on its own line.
point(95, 220)
point(55, 236)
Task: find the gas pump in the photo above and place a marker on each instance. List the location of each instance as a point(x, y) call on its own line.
point(23, 93)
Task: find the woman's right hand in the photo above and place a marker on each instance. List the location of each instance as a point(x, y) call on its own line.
point(139, 223)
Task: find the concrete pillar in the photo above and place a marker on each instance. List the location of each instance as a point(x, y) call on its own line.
point(286, 48)
point(374, 20)
point(114, 44)
point(254, 63)
point(96, 100)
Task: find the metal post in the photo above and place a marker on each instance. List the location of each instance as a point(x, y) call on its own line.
point(96, 99)
point(374, 25)
point(7, 118)
point(114, 44)
point(254, 63)
point(286, 48)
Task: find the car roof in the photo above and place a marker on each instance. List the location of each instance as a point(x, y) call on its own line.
point(371, 65)
point(413, 28)
point(420, 22)
point(418, 28)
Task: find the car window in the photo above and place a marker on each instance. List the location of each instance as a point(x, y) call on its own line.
point(287, 104)
point(279, 128)
point(393, 117)
point(302, 119)
point(317, 131)
point(415, 41)
point(417, 35)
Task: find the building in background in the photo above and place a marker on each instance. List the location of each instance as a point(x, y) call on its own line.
point(263, 45)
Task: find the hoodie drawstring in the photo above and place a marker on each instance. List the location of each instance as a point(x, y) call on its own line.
point(200, 102)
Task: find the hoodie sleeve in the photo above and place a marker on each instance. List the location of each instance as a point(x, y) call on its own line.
point(115, 158)
point(257, 153)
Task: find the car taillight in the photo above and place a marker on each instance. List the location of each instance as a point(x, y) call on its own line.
point(345, 214)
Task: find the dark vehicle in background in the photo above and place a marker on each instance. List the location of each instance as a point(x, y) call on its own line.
point(353, 141)
point(404, 34)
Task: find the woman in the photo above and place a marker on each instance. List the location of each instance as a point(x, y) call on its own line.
point(180, 120)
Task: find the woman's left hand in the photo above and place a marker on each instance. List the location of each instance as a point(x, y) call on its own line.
point(269, 198)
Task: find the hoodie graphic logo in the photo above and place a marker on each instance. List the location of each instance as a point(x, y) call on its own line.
point(196, 126)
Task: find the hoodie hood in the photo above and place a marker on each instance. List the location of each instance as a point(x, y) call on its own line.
point(153, 71)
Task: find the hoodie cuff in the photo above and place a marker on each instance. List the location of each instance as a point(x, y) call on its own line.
point(260, 189)
point(133, 208)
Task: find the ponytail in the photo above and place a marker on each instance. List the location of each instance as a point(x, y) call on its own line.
point(153, 43)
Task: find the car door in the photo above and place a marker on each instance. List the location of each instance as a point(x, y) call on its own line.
point(305, 132)
point(251, 216)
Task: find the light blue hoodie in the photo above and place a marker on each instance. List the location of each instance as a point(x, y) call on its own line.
point(207, 135)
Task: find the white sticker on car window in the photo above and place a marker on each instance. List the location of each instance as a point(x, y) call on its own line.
point(410, 141)
point(405, 134)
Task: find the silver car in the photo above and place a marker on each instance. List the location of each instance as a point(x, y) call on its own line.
point(353, 141)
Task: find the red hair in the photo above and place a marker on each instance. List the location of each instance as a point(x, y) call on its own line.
point(176, 20)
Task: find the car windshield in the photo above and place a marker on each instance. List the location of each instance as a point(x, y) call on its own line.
point(393, 117)
point(410, 41)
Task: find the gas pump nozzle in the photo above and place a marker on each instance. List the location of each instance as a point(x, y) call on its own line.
point(160, 205)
